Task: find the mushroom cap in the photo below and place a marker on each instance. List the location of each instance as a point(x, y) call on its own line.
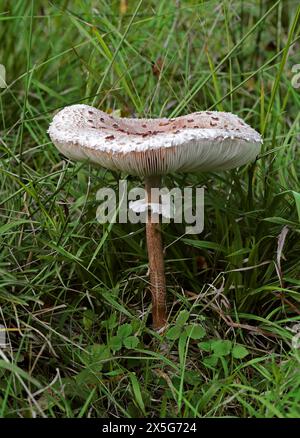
point(201, 141)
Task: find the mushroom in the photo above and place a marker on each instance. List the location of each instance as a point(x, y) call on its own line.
point(150, 148)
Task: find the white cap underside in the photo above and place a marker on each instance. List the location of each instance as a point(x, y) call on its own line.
point(154, 146)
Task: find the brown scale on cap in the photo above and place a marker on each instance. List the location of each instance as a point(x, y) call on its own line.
point(153, 127)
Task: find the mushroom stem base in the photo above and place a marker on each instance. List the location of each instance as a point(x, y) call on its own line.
point(156, 260)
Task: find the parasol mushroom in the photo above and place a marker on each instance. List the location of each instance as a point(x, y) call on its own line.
point(150, 148)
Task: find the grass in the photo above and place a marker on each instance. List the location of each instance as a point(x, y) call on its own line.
point(74, 294)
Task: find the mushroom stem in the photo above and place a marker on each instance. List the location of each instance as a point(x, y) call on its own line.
point(156, 259)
